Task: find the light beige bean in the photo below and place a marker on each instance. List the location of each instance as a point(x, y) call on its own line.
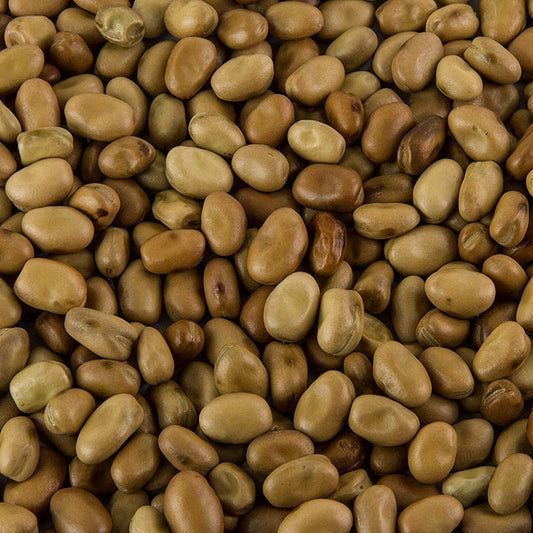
point(196, 172)
point(33, 116)
point(147, 519)
point(400, 375)
point(316, 142)
point(190, 18)
point(439, 513)
point(435, 193)
point(300, 480)
point(235, 418)
point(323, 408)
point(175, 210)
point(18, 518)
point(395, 16)
point(453, 22)
point(10, 305)
point(457, 80)
point(36, 384)
point(108, 427)
point(19, 448)
point(290, 309)
point(66, 413)
point(45, 142)
point(318, 515)
point(382, 421)
point(354, 47)
point(106, 335)
point(504, 350)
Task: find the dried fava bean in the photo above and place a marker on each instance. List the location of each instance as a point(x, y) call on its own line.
point(305, 20)
point(216, 132)
point(316, 142)
point(106, 335)
point(235, 418)
point(120, 25)
point(382, 421)
point(385, 220)
point(196, 172)
point(501, 402)
point(375, 509)
point(481, 517)
point(323, 408)
point(300, 480)
point(273, 253)
point(504, 351)
point(19, 448)
point(191, 505)
point(188, 18)
point(457, 80)
point(18, 518)
point(22, 62)
point(243, 77)
point(108, 427)
point(400, 375)
point(439, 513)
point(318, 515)
point(291, 308)
point(42, 143)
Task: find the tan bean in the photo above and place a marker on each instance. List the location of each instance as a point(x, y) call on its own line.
point(97, 441)
point(190, 18)
point(148, 519)
point(106, 335)
point(287, 368)
point(66, 413)
point(99, 116)
point(422, 250)
point(164, 253)
point(480, 133)
point(441, 512)
point(375, 510)
point(272, 244)
point(453, 22)
point(385, 220)
point(296, 295)
point(19, 448)
point(316, 142)
point(190, 504)
point(400, 375)
point(510, 219)
point(338, 17)
point(18, 518)
point(511, 484)
point(222, 419)
point(104, 378)
point(239, 370)
point(481, 517)
point(172, 405)
point(314, 414)
point(234, 488)
point(413, 67)
point(240, 29)
point(509, 339)
point(502, 21)
point(243, 77)
point(382, 421)
point(306, 20)
point(318, 515)
point(513, 439)
point(457, 80)
point(395, 16)
point(300, 480)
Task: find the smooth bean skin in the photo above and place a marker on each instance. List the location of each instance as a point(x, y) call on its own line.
point(318, 515)
point(382, 420)
point(18, 518)
point(441, 513)
point(191, 505)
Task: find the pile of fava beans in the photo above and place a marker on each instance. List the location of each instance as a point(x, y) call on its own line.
point(265, 266)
